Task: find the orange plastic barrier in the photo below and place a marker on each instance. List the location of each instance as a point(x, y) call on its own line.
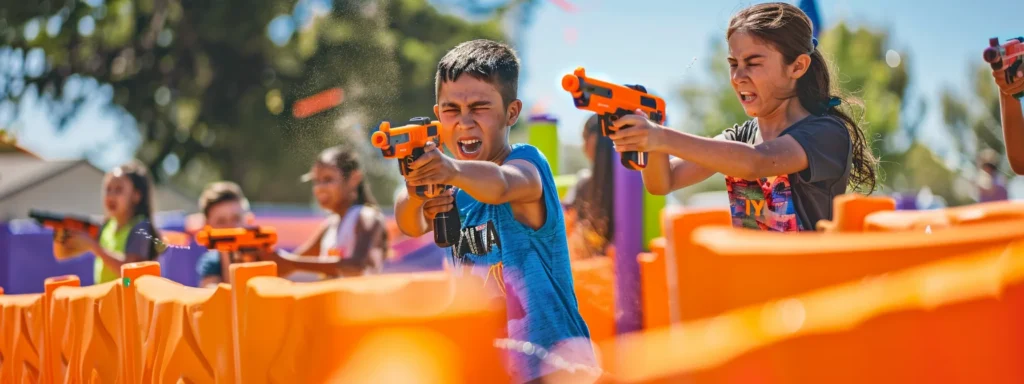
point(683, 256)
point(24, 322)
point(956, 320)
point(92, 332)
point(728, 268)
point(385, 328)
point(991, 212)
point(654, 286)
point(849, 211)
point(594, 283)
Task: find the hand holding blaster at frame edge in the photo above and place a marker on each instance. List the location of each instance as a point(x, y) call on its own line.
point(998, 55)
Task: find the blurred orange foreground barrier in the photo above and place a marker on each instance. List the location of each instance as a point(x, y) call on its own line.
point(849, 211)
point(991, 212)
point(729, 268)
point(375, 329)
point(594, 283)
point(953, 321)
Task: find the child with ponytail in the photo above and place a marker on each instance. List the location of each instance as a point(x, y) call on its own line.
point(353, 240)
point(784, 167)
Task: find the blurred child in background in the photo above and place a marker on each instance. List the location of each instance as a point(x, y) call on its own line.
point(353, 240)
point(127, 234)
point(991, 183)
point(223, 206)
point(590, 203)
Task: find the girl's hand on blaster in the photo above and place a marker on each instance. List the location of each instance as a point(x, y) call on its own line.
point(441, 203)
point(432, 168)
point(1009, 88)
point(642, 135)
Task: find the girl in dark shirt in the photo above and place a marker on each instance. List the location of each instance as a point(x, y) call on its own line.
point(784, 167)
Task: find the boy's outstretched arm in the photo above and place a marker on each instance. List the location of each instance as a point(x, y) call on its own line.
point(517, 181)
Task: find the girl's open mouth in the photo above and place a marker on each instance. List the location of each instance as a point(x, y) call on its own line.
point(747, 97)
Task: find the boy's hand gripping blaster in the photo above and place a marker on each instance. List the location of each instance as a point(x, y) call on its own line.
point(406, 144)
point(612, 101)
point(58, 221)
point(243, 244)
point(1011, 52)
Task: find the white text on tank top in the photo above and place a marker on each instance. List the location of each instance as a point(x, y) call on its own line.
point(339, 238)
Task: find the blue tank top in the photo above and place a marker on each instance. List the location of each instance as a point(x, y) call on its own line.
point(531, 269)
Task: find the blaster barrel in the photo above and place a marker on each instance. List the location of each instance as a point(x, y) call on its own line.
point(237, 239)
point(56, 221)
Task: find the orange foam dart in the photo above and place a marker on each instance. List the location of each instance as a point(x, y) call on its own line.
point(317, 103)
point(58, 221)
point(406, 144)
point(244, 242)
point(612, 101)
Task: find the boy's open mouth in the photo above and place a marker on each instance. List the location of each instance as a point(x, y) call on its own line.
point(470, 146)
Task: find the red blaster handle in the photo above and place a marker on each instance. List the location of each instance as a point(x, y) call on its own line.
point(612, 101)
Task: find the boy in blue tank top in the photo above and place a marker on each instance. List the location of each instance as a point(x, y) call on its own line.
point(513, 229)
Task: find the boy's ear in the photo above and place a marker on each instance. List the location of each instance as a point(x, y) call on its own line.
point(514, 108)
point(250, 218)
point(800, 66)
point(437, 110)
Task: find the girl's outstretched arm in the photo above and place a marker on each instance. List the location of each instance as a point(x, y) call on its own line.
point(664, 175)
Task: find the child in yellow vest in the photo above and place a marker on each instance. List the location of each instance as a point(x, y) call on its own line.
point(127, 234)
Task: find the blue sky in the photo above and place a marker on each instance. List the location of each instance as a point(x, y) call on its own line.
point(613, 40)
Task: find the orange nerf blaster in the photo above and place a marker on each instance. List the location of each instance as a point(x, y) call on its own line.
point(57, 221)
point(1011, 52)
point(406, 144)
point(243, 244)
point(612, 101)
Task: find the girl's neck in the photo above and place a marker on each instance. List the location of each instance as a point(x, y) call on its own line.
point(789, 112)
point(342, 208)
point(121, 221)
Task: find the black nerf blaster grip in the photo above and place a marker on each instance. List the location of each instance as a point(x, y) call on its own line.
point(448, 227)
point(633, 160)
point(997, 55)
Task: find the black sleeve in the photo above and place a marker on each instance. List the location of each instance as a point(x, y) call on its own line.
point(827, 144)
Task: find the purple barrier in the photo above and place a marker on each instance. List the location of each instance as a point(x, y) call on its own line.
point(179, 264)
point(26, 260)
point(629, 233)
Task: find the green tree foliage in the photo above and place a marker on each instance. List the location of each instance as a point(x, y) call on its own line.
point(858, 58)
point(206, 85)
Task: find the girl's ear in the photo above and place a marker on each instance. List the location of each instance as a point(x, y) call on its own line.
point(136, 196)
point(250, 218)
point(800, 66)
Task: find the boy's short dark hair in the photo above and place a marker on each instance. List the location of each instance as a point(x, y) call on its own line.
point(486, 60)
point(220, 192)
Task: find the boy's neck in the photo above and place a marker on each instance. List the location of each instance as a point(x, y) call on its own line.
point(787, 114)
point(499, 157)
